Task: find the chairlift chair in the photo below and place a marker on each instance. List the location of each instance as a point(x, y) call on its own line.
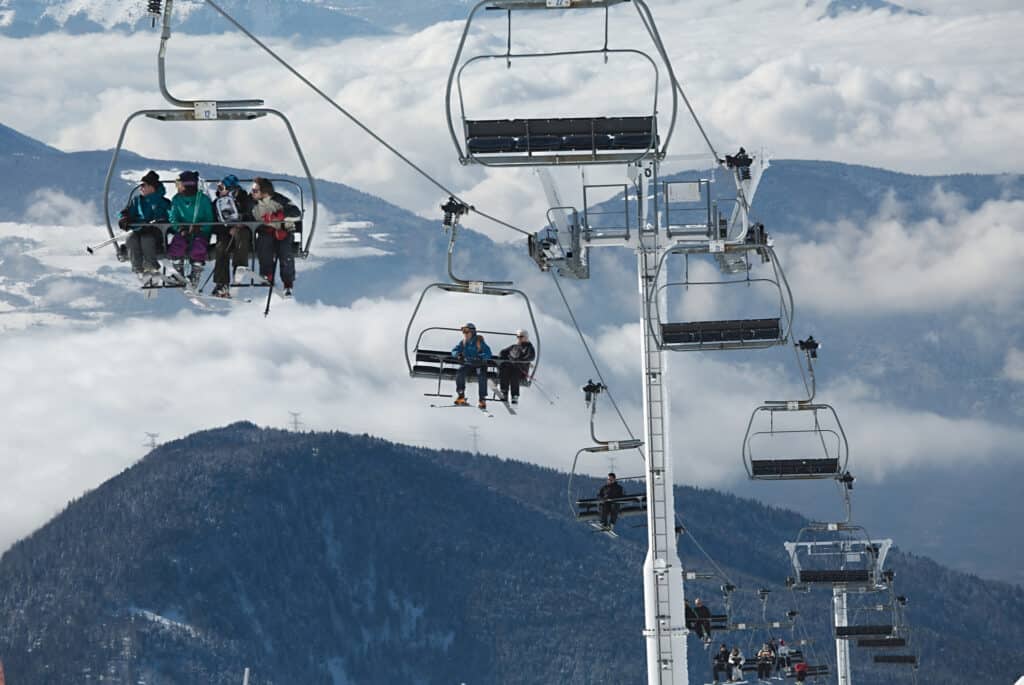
point(207, 111)
point(427, 356)
point(589, 508)
point(579, 140)
point(741, 334)
point(839, 554)
point(288, 186)
point(814, 429)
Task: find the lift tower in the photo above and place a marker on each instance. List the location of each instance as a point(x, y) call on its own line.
point(636, 142)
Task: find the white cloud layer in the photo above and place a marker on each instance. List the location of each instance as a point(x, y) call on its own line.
point(78, 403)
point(862, 88)
point(894, 265)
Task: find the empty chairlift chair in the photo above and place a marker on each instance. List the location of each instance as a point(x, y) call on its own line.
point(839, 554)
point(757, 332)
point(573, 140)
point(796, 439)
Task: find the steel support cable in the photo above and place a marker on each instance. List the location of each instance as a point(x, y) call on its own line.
point(355, 120)
point(806, 636)
point(707, 556)
point(647, 17)
point(593, 361)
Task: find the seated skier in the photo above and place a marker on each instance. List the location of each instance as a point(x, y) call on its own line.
point(515, 365)
point(610, 510)
point(149, 206)
point(473, 355)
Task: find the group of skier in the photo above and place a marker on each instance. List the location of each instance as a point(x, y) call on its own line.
point(770, 658)
point(474, 356)
point(192, 219)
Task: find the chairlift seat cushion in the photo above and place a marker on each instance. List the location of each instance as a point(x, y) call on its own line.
point(502, 136)
point(857, 631)
point(589, 509)
point(839, 576)
point(780, 468)
point(896, 659)
point(432, 363)
point(712, 332)
point(812, 671)
point(882, 642)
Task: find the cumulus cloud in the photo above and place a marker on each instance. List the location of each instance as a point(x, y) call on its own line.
point(893, 265)
point(1014, 367)
point(52, 206)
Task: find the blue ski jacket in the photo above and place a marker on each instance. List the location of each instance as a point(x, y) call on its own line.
point(152, 207)
point(473, 350)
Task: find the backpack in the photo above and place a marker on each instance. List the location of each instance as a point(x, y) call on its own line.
point(227, 208)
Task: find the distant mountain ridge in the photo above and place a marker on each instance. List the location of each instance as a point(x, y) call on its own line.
point(331, 558)
point(307, 19)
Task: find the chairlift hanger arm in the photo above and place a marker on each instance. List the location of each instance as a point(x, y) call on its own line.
point(165, 36)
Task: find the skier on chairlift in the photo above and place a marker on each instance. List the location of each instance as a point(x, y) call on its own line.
point(610, 510)
point(191, 220)
point(703, 620)
point(274, 241)
point(473, 355)
point(149, 206)
point(515, 365)
point(234, 243)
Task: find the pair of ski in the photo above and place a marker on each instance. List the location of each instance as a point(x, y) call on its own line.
point(488, 414)
point(601, 528)
point(152, 282)
point(482, 410)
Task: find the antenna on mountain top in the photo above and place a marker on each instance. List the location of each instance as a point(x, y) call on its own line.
point(296, 424)
point(151, 442)
point(475, 430)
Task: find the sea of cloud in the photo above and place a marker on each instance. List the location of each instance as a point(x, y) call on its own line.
point(925, 94)
point(78, 401)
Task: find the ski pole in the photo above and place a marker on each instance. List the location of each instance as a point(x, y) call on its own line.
point(227, 255)
point(91, 248)
point(543, 392)
point(270, 290)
